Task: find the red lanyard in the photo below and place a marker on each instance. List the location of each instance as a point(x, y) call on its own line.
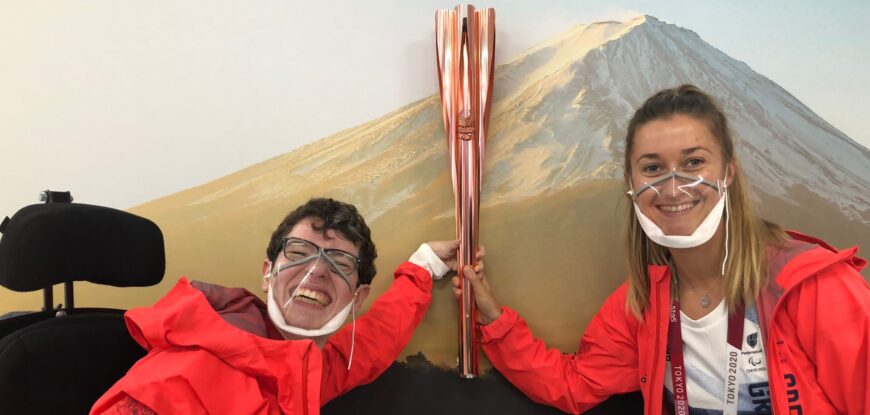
point(678, 369)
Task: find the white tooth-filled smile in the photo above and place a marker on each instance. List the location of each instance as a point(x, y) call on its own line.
point(677, 208)
point(311, 296)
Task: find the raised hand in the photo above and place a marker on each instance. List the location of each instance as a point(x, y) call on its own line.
point(448, 250)
point(488, 308)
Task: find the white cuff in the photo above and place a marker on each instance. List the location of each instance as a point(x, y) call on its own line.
point(425, 258)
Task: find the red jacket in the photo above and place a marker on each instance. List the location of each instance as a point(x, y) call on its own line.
point(815, 318)
point(213, 350)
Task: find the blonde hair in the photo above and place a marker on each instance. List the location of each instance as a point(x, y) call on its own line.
point(746, 269)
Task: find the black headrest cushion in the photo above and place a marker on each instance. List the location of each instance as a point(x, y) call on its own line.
point(46, 244)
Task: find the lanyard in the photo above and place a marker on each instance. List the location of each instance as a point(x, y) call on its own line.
point(678, 369)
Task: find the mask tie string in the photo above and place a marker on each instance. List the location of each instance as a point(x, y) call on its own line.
point(352, 332)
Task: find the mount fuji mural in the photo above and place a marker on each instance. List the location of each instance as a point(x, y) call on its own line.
point(553, 197)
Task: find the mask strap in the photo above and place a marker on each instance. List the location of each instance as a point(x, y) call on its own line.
point(727, 225)
point(727, 219)
point(724, 180)
point(352, 330)
point(692, 184)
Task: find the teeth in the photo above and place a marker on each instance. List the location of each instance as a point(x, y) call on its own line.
point(676, 208)
point(310, 296)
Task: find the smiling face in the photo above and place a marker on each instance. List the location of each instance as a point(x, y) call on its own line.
point(311, 293)
point(685, 144)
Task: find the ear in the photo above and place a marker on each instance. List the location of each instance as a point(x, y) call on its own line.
point(729, 173)
point(267, 269)
point(360, 297)
point(627, 177)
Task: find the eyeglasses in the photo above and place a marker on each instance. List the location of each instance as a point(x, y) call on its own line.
point(298, 251)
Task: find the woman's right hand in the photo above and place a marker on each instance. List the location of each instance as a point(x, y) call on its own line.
point(488, 309)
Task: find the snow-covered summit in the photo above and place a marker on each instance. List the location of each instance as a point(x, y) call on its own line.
point(565, 105)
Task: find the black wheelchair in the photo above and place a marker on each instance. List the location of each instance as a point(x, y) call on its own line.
point(60, 359)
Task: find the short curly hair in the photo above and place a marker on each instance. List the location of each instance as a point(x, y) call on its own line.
point(344, 219)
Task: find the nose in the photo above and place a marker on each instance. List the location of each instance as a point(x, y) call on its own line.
point(671, 188)
point(320, 268)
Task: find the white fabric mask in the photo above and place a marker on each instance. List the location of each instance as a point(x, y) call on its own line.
point(329, 327)
point(701, 235)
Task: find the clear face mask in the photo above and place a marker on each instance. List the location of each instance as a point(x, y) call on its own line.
point(679, 185)
point(311, 294)
point(676, 183)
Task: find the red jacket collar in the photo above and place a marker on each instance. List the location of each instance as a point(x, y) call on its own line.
point(183, 318)
point(804, 256)
point(815, 255)
point(657, 273)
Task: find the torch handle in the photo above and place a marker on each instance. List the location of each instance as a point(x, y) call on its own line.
point(468, 224)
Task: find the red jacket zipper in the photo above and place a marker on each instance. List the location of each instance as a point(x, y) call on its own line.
point(305, 382)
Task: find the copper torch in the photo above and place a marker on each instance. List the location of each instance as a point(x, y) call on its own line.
point(465, 48)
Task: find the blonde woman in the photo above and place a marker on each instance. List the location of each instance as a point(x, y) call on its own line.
point(723, 312)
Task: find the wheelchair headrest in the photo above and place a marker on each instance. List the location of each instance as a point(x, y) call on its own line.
point(52, 243)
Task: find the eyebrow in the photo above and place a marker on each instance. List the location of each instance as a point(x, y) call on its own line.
point(694, 149)
point(684, 152)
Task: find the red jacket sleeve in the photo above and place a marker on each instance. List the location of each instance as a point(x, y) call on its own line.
point(124, 405)
point(381, 334)
point(831, 316)
point(606, 362)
